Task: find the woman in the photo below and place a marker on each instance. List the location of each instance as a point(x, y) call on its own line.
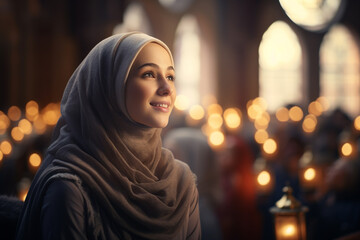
point(106, 175)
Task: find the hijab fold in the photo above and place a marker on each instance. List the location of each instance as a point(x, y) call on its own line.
point(136, 185)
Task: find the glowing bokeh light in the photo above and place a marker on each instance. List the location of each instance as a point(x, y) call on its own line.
point(34, 160)
point(264, 178)
point(14, 113)
point(282, 114)
point(4, 122)
point(17, 134)
point(309, 174)
point(181, 102)
point(269, 146)
point(215, 121)
point(315, 108)
point(324, 103)
point(296, 114)
point(39, 126)
point(261, 135)
point(262, 121)
point(32, 110)
point(197, 112)
point(261, 102)
point(346, 149)
point(254, 111)
point(5, 147)
point(357, 123)
point(232, 118)
point(25, 126)
point(309, 123)
point(214, 108)
point(51, 114)
point(216, 138)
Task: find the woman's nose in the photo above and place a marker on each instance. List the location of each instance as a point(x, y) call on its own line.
point(165, 88)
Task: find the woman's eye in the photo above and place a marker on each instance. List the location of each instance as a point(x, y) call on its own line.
point(148, 75)
point(171, 78)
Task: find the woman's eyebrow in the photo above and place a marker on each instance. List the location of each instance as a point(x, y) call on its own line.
point(155, 66)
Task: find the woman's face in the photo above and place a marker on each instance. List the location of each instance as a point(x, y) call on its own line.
point(150, 88)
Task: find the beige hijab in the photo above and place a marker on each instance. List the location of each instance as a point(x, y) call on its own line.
point(137, 187)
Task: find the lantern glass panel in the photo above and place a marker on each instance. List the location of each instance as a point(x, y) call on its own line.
point(287, 227)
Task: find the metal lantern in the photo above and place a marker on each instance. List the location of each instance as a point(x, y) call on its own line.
point(289, 217)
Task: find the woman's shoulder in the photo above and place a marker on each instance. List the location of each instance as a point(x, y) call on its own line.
point(65, 193)
point(63, 211)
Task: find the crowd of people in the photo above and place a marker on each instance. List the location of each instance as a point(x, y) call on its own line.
point(242, 210)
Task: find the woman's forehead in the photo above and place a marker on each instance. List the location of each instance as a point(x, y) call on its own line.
point(153, 53)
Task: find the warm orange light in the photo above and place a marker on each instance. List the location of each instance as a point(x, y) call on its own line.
point(4, 122)
point(309, 174)
point(254, 111)
point(51, 114)
point(262, 121)
point(269, 146)
point(39, 125)
point(288, 230)
point(324, 103)
point(23, 188)
point(17, 134)
point(1, 156)
point(357, 123)
point(35, 160)
point(197, 112)
point(215, 121)
point(346, 149)
point(263, 178)
point(315, 108)
point(232, 118)
point(261, 102)
point(23, 195)
point(181, 102)
point(282, 114)
point(25, 126)
point(309, 123)
point(214, 108)
point(260, 136)
point(216, 138)
point(296, 114)
point(14, 113)
point(5, 147)
point(32, 110)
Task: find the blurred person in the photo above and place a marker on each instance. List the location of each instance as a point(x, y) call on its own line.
point(191, 145)
point(106, 174)
point(339, 201)
point(238, 214)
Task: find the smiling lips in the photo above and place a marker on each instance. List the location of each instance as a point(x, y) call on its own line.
point(162, 106)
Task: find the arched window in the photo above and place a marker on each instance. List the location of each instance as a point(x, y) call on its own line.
point(280, 67)
point(134, 20)
point(187, 60)
point(340, 70)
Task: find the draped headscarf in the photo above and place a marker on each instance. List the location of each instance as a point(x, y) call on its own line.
point(136, 184)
